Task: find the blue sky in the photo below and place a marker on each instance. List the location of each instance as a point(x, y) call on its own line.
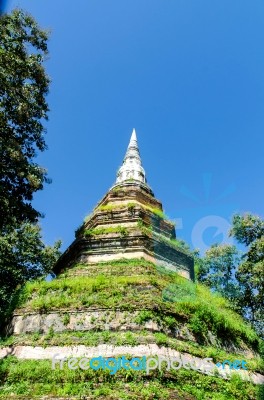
point(188, 75)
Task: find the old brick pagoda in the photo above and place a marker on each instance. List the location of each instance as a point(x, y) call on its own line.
point(128, 223)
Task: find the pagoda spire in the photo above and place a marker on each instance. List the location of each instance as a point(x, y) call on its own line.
point(131, 169)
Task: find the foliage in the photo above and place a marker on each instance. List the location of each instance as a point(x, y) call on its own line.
point(217, 270)
point(23, 87)
point(248, 229)
point(239, 278)
point(146, 229)
point(23, 257)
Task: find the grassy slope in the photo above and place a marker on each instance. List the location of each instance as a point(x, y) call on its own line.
point(168, 300)
point(166, 295)
point(32, 378)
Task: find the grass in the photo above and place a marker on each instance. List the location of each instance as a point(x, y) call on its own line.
point(118, 267)
point(108, 207)
point(146, 229)
point(35, 377)
point(165, 295)
point(121, 263)
point(102, 231)
point(66, 319)
point(175, 243)
point(131, 206)
point(132, 262)
point(132, 338)
point(168, 299)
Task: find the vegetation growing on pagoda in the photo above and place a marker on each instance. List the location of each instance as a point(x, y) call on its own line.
point(131, 206)
point(196, 305)
point(104, 230)
point(129, 338)
point(34, 378)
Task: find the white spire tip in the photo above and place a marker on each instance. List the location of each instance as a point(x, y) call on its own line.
point(134, 135)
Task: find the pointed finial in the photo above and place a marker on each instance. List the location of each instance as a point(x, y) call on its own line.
point(134, 135)
point(131, 168)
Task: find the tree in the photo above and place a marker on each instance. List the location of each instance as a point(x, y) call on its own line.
point(23, 108)
point(248, 229)
point(239, 278)
point(23, 87)
point(23, 257)
point(217, 270)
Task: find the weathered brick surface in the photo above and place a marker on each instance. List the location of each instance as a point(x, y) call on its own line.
point(153, 245)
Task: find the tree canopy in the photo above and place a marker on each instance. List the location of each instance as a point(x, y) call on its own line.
point(217, 270)
point(249, 230)
point(239, 277)
point(24, 85)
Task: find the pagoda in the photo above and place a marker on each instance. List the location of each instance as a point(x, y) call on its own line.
point(128, 223)
point(125, 290)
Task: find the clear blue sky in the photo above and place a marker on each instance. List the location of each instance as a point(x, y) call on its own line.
point(188, 75)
